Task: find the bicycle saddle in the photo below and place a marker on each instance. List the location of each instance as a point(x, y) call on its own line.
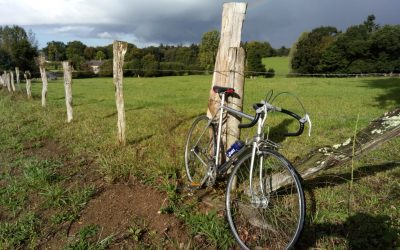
point(219, 90)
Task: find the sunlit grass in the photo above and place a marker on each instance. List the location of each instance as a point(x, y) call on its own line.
point(159, 112)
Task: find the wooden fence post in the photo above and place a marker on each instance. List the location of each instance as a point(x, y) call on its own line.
point(17, 76)
point(236, 78)
point(41, 62)
point(68, 89)
point(2, 83)
point(229, 67)
point(7, 80)
point(12, 81)
point(119, 50)
point(28, 79)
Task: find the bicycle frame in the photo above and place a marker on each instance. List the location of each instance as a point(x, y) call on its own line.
point(221, 109)
point(254, 143)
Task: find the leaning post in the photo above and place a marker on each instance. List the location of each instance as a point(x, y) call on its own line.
point(229, 68)
point(68, 89)
point(119, 50)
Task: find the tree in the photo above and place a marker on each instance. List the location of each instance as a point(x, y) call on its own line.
point(89, 53)
point(208, 49)
point(75, 53)
point(282, 51)
point(385, 49)
point(263, 48)
point(348, 53)
point(364, 48)
point(55, 51)
point(100, 55)
point(133, 52)
point(370, 23)
point(16, 49)
point(150, 65)
point(254, 64)
point(309, 49)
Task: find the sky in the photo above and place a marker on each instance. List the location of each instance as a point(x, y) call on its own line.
point(151, 22)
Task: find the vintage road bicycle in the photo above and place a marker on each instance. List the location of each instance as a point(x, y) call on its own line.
point(265, 204)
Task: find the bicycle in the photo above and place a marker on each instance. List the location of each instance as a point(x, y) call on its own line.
point(265, 204)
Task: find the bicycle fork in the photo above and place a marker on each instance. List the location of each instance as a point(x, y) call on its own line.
point(261, 200)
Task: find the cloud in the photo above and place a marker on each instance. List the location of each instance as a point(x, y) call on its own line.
point(184, 21)
point(104, 34)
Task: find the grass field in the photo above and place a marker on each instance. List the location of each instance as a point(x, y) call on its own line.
point(279, 64)
point(42, 191)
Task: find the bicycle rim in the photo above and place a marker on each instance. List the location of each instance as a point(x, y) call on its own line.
point(199, 150)
point(270, 214)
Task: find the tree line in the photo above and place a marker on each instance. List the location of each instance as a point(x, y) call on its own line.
point(18, 48)
point(162, 60)
point(363, 48)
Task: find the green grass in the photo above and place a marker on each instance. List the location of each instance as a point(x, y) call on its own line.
point(280, 64)
point(159, 112)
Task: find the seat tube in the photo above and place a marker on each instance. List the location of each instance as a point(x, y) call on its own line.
point(220, 128)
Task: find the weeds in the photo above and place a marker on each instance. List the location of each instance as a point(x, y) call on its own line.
point(23, 232)
point(86, 239)
point(213, 227)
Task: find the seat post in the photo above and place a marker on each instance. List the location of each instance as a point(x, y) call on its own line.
point(221, 110)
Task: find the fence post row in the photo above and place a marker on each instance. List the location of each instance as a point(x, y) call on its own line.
point(68, 89)
point(119, 50)
point(28, 79)
point(41, 63)
point(230, 58)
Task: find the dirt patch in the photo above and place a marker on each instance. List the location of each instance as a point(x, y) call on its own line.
point(116, 209)
point(45, 149)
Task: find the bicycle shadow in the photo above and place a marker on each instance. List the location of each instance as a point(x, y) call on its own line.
point(362, 231)
point(277, 133)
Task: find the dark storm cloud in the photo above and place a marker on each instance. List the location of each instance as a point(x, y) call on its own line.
point(184, 21)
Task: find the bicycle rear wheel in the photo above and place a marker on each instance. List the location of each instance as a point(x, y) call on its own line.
point(200, 150)
point(269, 212)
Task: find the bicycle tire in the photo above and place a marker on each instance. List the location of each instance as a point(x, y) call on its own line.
point(197, 157)
point(273, 217)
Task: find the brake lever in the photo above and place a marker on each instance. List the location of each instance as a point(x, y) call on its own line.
point(306, 119)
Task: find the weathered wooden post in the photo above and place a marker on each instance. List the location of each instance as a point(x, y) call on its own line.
point(12, 81)
point(119, 50)
point(28, 79)
point(68, 88)
point(17, 76)
point(2, 83)
point(7, 80)
point(41, 62)
point(229, 68)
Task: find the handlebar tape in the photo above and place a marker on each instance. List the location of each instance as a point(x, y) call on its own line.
point(298, 118)
point(252, 123)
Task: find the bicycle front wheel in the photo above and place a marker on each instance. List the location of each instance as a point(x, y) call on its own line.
point(200, 150)
point(265, 205)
